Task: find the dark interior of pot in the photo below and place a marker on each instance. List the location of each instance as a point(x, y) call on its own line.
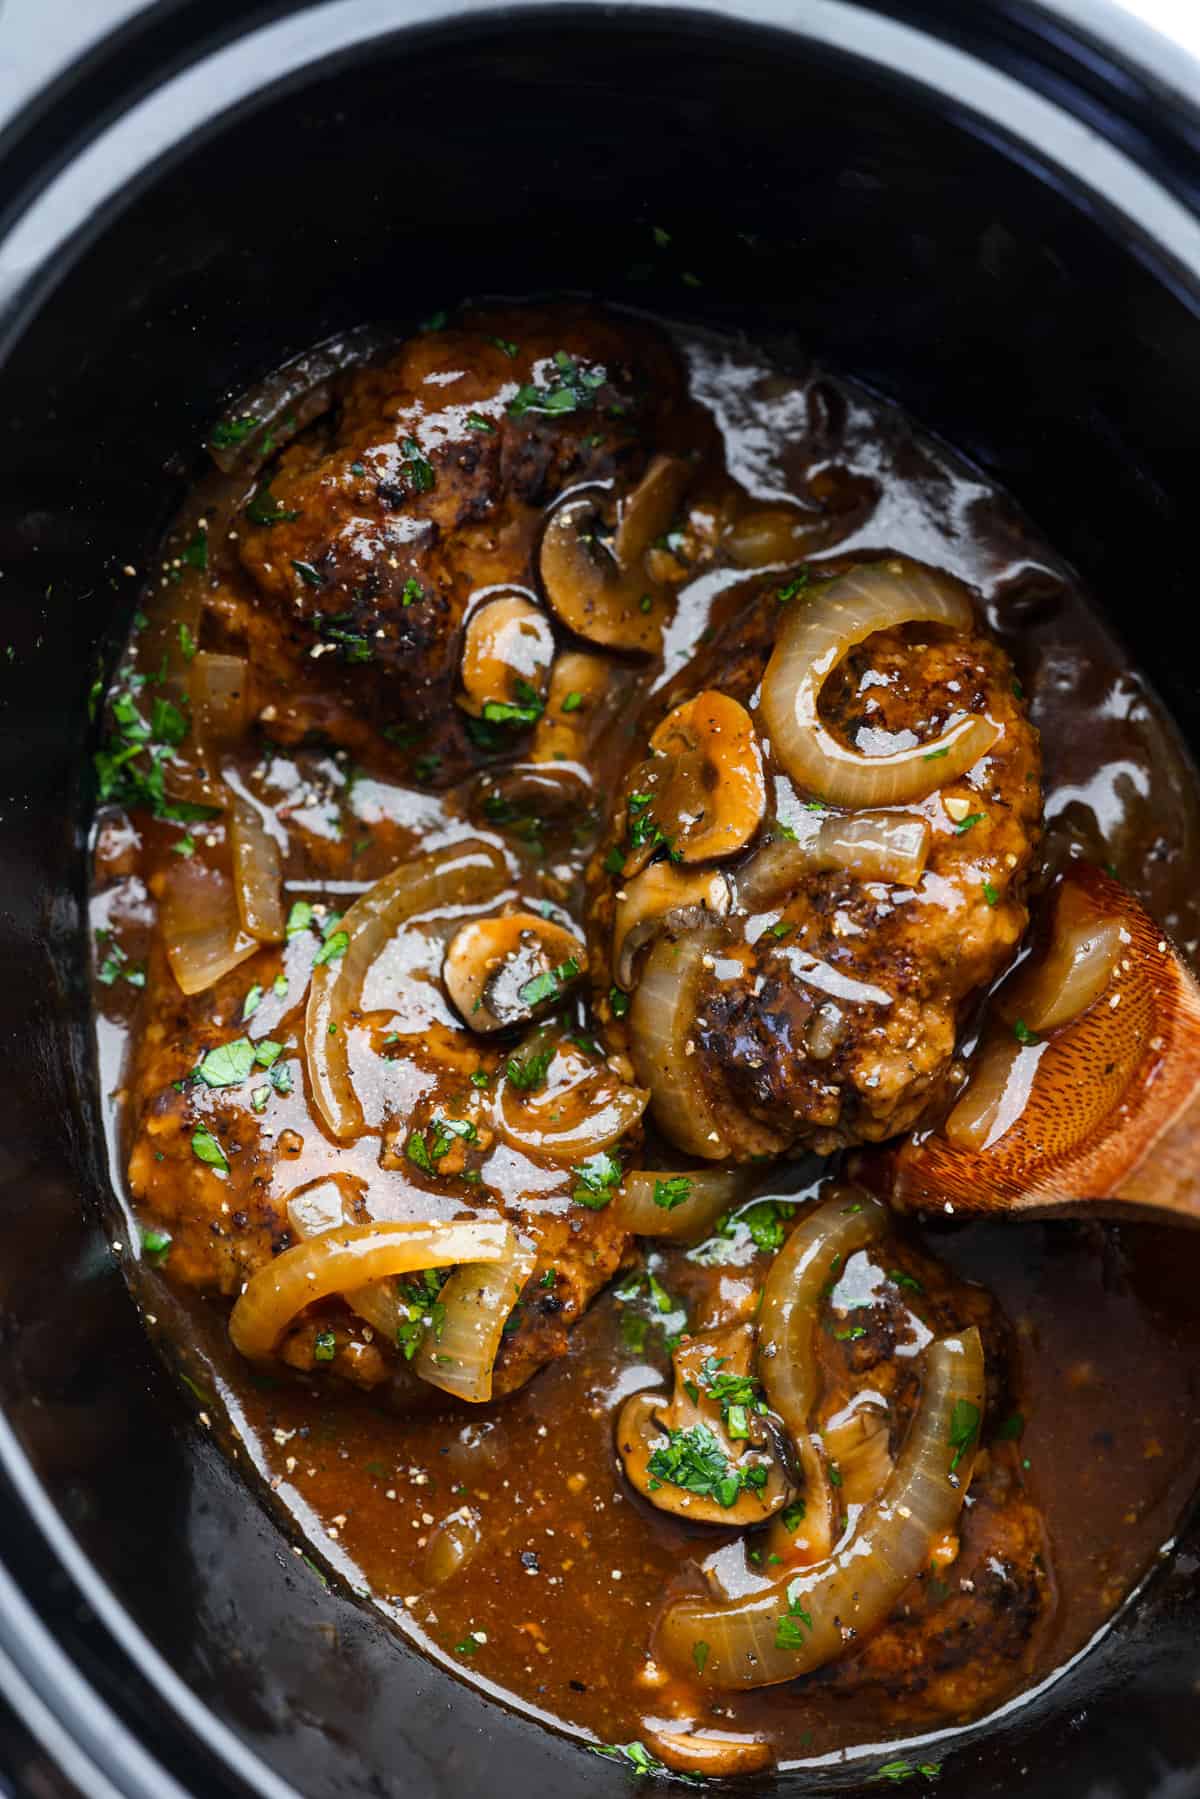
point(816, 205)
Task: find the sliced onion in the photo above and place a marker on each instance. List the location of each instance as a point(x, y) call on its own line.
point(321, 1208)
point(219, 687)
point(345, 1258)
point(858, 1446)
point(200, 925)
point(257, 873)
point(580, 1108)
point(478, 1300)
point(996, 1094)
point(815, 636)
point(787, 1333)
point(876, 846)
point(710, 1191)
point(661, 1018)
point(836, 1605)
point(462, 874)
point(1077, 967)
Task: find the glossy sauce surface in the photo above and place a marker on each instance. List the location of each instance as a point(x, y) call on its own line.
point(555, 1605)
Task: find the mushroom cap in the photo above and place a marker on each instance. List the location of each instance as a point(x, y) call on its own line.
point(603, 590)
point(708, 794)
point(648, 1421)
point(508, 969)
point(662, 895)
point(508, 647)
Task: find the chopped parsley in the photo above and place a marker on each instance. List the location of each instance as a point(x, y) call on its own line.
point(964, 1427)
point(477, 422)
point(671, 1193)
point(195, 554)
point(700, 1656)
point(1010, 1429)
point(618, 1001)
point(1023, 1034)
point(935, 755)
point(157, 1245)
point(899, 1771)
point(795, 586)
point(264, 509)
point(324, 1347)
point(966, 824)
point(790, 1629)
point(416, 468)
point(899, 1278)
point(129, 766)
point(206, 1149)
point(251, 1002)
point(311, 577)
point(694, 1460)
point(637, 1757)
point(614, 861)
point(503, 344)
point(990, 894)
point(423, 1311)
point(525, 1072)
point(792, 1516)
point(412, 591)
point(572, 701)
point(333, 947)
point(231, 432)
point(299, 918)
point(597, 1179)
point(228, 1064)
point(548, 985)
point(573, 390)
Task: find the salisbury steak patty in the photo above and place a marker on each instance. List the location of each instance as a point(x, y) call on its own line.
point(823, 1003)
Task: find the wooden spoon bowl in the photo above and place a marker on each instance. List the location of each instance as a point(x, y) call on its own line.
point(1102, 1113)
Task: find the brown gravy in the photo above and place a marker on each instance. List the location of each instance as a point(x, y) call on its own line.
point(553, 1611)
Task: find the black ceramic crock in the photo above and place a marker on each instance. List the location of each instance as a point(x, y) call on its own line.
point(978, 208)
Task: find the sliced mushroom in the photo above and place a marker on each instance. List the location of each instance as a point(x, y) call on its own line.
point(583, 689)
point(648, 1424)
point(507, 651)
point(506, 970)
point(858, 1444)
point(602, 589)
point(703, 790)
point(663, 896)
point(763, 535)
point(710, 1753)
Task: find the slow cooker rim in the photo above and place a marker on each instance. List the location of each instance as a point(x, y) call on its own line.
point(120, 1754)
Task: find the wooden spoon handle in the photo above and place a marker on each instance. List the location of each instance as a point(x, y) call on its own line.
point(1109, 1119)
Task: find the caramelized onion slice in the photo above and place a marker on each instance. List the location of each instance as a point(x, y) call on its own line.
point(814, 1617)
point(876, 846)
point(257, 873)
point(1078, 965)
point(322, 1208)
point(680, 1206)
point(477, 1300)
point(815, 636)
point(350, 1256)
point(200, 925)
point(661, 1018)
point(465, 873)
point(817, 1248)
point(996, 1095)
point(219, 689)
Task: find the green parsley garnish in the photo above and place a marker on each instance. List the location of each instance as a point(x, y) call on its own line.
point(299, 918)
point(990, 894)
point(964, 1426)
point(324, 1347)
point(231, 432)
point(967, 824)
point(206, 1149)
point(195, 555)
point(333, 947)
point(264, 509)
point(477, 422)
point(157, 1245)
point(790, 1629)
point(228, 1064)
point(1023, 1034)
point(527, 1072)
point(251, 1002)
point(618, 1001)
point(1011, 1428)
point(671, 1193)
point(572, 701)
point(694, 1460)
point(311, 577)
point(898, 1771)
point(597, 1180)
point(548, 985)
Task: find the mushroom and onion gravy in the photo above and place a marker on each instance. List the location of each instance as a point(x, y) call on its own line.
point(572, 803)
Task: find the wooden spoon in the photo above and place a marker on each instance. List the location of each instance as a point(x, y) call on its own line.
point(1100, 1112)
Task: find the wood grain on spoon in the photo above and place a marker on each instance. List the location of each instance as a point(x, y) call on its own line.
point(1101, 1113)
